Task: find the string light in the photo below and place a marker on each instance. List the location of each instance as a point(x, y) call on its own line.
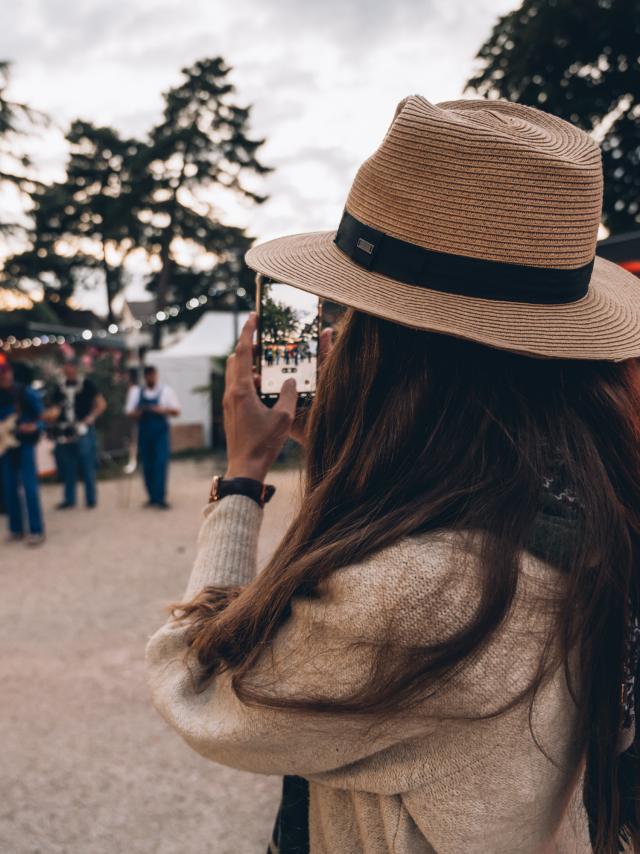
point(160, 316)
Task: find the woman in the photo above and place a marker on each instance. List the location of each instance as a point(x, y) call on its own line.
point(441, 655)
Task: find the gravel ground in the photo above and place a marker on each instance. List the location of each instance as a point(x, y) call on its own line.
point(88, 767)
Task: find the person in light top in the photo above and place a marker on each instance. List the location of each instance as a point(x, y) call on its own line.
point(151, 405)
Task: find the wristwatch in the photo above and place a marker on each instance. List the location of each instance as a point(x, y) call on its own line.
point(260, 492)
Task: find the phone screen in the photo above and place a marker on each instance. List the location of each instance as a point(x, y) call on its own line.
point(288, 338)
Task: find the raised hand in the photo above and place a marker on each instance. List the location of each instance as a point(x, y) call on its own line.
point(255, 433)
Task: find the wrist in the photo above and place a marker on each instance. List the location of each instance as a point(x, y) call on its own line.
point(253, 470)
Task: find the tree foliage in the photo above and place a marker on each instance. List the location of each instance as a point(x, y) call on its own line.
point(84, 226)
point(580, 61)
point(16, 119)
point(201, 146)
point(160, 195)
point(278, 321)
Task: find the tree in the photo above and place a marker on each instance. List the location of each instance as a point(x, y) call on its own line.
point(578, 61)
point(199, 148)
point(85, 226)
point(278, 321)
point(15, 119)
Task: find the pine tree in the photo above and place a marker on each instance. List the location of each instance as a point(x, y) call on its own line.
point(85, 226)
point(278, 320)
point(200, 147)
point(16, 119)
point(580, 61)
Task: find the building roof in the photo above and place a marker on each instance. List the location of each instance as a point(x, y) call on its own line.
point(213, 335)
point(142, 309)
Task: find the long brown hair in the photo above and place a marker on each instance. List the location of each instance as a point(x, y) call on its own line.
point(411, 432)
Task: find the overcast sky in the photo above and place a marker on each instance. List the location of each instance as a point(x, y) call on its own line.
point(323, 77)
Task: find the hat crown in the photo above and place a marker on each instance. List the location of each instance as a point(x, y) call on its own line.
point(484, 179)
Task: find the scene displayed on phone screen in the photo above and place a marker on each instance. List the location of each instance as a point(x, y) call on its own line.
point(289, 321)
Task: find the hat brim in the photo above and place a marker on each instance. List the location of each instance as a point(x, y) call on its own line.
point(604, 324)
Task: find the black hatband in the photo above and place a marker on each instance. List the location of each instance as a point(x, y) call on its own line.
point(456, 274)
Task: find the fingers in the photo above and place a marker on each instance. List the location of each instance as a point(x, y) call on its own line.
point(243, 363)
point(230, 371)
point(288, 398)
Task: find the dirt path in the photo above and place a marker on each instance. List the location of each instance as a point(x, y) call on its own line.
point(88, 767)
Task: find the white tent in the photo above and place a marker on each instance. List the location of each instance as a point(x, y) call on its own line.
point(187, 365)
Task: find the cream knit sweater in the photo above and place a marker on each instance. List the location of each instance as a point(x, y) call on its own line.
point(430, 782)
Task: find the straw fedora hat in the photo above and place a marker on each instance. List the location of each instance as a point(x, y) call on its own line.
point(476, 219)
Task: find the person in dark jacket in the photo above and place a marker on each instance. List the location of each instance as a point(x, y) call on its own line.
point(20, 412)
point(76, 404)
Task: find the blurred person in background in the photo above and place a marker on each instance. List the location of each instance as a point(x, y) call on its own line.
point(442, 654)
point(151, 405)
point(74, 406)
point(20, 426)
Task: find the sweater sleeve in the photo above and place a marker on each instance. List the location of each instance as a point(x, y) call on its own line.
point(325, 650)
point(227, 545)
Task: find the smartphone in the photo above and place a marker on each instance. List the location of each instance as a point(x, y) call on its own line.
point(288, 336)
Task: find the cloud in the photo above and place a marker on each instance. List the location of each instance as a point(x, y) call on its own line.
point(356, 24)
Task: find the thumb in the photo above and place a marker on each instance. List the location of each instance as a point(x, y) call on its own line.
point(288, 398)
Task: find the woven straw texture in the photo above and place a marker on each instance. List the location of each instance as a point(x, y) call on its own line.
point(482, 179)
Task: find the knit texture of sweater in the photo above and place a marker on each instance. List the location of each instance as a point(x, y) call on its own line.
point(441, 778)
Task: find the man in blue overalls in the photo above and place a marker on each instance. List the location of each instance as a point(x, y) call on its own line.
point(152, 405)
point(20, 412)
